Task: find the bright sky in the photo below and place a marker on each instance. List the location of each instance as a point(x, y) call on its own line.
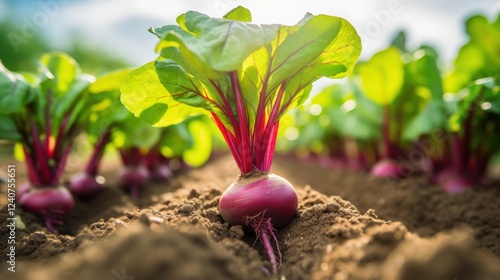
point(120, 26)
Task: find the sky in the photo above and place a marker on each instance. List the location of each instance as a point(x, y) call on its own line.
point(120, 26)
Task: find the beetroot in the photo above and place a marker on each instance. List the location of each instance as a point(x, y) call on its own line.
point(457, 185)
point(266, 194)
point(387, 168)
point(132, 178)
point(160, 172)
point(52, 203)
point(84, 185)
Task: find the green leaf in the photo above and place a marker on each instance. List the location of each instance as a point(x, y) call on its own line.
point(161, 32)
point(175, 45)
point(399, 41)
point(479, 57)
point(432, 118)
point(424, 71)
point(8, 128)
point(14, 92)
point(176, 139)
point(323, 46)
point(181, 86)
point(134, 132)
point(201, 149)
point(239, 13)
point(109, 82)
point(62, 89)
point(142, 89)
point(470, 100)
point(61, 70)
point(223, 44)
point(349, 113)
point(103, 102)
point(382, 76)
point(74, 95)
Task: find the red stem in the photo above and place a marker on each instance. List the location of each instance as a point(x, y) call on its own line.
point(229, 138)
point(60, 157)
point(386, 133)
point(227, 109)
point(124, 156)
point(137, 155)
point(42, 159)
point(268, 159)
point(482, 165)
point(260, 119)
point(457, 153)
point(93, 164)
point(466, 137)
point(482, 159)
point(268, 140)
point(61, 163)
point(131, 156)
point(32, 172)
point(61, 135)
point(244, 148)
point(152, 158)
point(48, 125)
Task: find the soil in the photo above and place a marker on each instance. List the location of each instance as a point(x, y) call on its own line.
point(349, 226)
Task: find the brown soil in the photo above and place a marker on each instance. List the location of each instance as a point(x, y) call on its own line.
point(175, 232)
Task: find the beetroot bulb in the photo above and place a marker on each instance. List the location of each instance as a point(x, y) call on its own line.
point(267, 195)
point(260, 202)
point(133, 178)
point(52, 203)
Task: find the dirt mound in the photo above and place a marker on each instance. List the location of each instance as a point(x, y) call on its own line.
point(180, 235)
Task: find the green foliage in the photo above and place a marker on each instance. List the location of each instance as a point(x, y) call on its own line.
point(44, 112)
point(424, 93)
point(106, 109)
point(198, 55)
point(133, 132)
point(481, 99)
point(479, 57)
point(410, 85)
point(143, 90)
point(190, 140)
point(56, 93)
point(20, 53)
point(383, 76)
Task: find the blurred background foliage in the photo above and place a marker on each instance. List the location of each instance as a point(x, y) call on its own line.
point(91, 59)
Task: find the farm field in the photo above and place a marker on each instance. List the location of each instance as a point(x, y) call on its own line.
point(337, 231)
point(226, 140)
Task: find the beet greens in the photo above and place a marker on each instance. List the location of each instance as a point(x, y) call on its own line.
point(106, 112)
point(443, 125)
point(246, 79)
point(246, 76)
point(45, 112)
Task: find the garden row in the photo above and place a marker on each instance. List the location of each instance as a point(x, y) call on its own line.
point(246, 77)
point(401, 115)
